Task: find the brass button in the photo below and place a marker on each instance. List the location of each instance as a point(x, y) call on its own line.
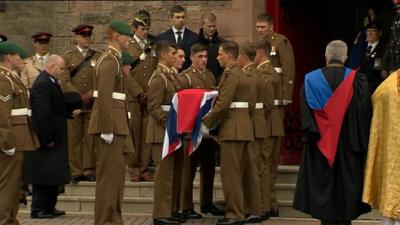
point(84, 85)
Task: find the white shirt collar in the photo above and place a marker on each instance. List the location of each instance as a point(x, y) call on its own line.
point(139, 41)
point(176, 35)
point(44, 57)
point(81, 50)
point(373, 46)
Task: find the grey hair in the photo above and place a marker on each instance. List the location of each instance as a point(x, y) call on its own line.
point(336, 50)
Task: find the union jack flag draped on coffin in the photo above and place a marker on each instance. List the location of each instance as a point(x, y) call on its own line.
point(189, 106)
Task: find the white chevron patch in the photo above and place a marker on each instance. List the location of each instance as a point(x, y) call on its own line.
point(5, 98)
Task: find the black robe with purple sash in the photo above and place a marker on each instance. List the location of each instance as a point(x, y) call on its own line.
point(334, 193)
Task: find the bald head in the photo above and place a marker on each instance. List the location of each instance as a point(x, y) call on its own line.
point(55, 65)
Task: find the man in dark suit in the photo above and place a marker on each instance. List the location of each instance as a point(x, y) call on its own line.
point(179, 33)
point(208, 36)
point(371, 64)
point(47, 168)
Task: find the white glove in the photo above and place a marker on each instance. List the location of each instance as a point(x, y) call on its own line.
point(9, 152)
point(108, 138)
point(142, 56)
point(204, 130)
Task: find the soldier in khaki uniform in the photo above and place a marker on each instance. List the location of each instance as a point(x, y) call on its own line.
point(145, 62)
point(78, 77)
point(233, 110)
point(270, 151)
point(162, 87)
point(35, 64)
point(198, 76)
point(263, 106)
point(282, 59)
point(109, 124)
point(14, 123)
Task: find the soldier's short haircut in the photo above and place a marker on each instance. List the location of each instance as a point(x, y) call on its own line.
point(265, 18)
point(176, 9)
point(263, 45)
point(196, 48)
point(248, 49)
point(336, 50)
point(231, 48)
point(208, 16)
point(162, 47)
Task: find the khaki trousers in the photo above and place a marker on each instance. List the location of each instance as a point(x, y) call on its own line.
point(166, 182)
point(251, 179)
point(139, 162)
point(272, 147)
point(111, 160)
point(10, 183)
point(232, 174)
point(265, 176)
point(204, 156)
point(81, 154)
point(133, 159)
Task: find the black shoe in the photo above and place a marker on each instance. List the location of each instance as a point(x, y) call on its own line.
point(177, 216)
point(191, 214)
point(22, 200)
point(265, 216)
point(253, 219)
point(227, 221)
point(274, 213)
point(58, 212)
point(165, 221)
point(42, 215)
point(90, 178)
point(75, 179)
point(213, 209)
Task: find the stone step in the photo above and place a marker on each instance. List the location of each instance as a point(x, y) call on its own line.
point(286, 175)
point(146, 189)
point(144, 206)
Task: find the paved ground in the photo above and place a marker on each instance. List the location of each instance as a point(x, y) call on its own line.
point(24, 219)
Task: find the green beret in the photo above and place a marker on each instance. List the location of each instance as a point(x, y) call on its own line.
point(126, 58)
point(121, 27)
point(22, 53)
point(9, 48)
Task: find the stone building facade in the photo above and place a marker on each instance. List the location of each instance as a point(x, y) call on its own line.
point(20, 19)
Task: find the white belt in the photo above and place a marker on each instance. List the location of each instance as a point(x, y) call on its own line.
point(259, 105)
point(115, 95)
point(287, 102)
point(282, 102)
point(129, 115)
point(278, 102)
point(21, 112)
point(166, 108)
point(278, 69)
point(239, 105)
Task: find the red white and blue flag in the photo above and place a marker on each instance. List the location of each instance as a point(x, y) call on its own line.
point(188, 108)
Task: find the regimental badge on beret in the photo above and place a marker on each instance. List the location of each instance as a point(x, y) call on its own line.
point(84, 30)
point(142, 17)
point(121, 27)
